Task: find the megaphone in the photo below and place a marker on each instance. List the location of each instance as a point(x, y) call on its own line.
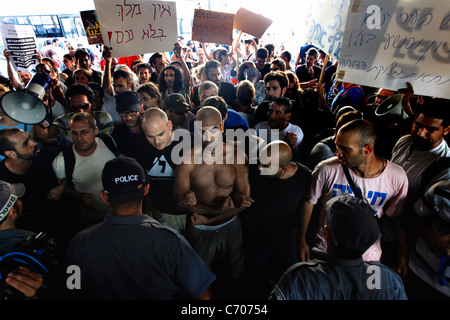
point(26, 106)
point(391, 109)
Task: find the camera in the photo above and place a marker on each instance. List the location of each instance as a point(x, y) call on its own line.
point(37, 253)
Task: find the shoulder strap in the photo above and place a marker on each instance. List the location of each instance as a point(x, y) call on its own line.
point(109, 142)
point(355, 190)
point(69, 155)
point(69, 161)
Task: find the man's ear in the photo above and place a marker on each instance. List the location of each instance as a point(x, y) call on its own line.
point(287, 116)
point(446, 130)
point(104, 196)
point(368, 148)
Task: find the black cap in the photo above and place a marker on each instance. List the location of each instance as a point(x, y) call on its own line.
point(353, 225)
point(123, 175)
point(175, 102)
point(128, 101)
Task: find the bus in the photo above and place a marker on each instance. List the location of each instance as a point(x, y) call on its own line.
point(64, 27)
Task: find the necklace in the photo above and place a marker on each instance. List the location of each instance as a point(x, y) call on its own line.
point(373, 175)
point(383, 166)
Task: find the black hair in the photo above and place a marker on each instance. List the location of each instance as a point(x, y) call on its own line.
point(282, 101)
point(436, 108)
point(79, 88)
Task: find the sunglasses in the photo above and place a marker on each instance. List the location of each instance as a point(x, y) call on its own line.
point(81, 106)
point(128, 113)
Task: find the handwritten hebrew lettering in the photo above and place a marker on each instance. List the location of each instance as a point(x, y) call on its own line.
point(411, 45)
point(132, 27)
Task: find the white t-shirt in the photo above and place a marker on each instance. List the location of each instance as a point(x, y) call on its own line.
point(264, 131)
point(87, 174)
point(386, 193)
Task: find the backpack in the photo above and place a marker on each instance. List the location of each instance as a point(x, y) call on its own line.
point(69, 156)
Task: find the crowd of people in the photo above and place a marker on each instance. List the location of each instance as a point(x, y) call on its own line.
point(135, 177)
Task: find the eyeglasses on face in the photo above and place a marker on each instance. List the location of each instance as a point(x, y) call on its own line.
point(128, 113)
point(81, 106)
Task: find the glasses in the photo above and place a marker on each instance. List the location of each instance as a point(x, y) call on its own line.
point(128, 113)
point(81, 106)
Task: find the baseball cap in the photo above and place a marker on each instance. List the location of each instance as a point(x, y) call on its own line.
point(9, 194)
point(175, 102)
point(128, 101)
point(353, 225)
point(123, 175)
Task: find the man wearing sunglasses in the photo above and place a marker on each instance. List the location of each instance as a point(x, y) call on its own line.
point(79, 98)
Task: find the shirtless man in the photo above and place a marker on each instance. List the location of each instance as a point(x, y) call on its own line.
point(212, 186)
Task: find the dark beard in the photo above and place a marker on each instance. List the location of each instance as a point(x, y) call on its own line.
point(27, 156)
point(420, 143)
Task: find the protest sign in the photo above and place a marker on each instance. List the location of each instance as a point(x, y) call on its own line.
point(387, 44)
point(326, 25)
point(91, 26)
point(213, 27)
point(251, 23)
point(137, 27)
point(20, 41)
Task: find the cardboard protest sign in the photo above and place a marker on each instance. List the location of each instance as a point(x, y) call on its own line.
point(251, 23)
point(137, 27)
point(91, 26)
point(20, 41)
point(387, 44)
point(213, 27)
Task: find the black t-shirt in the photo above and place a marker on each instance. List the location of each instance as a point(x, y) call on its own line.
point(124, 137)
point(304, 76)
point(160, 171)
point(265, 70)
point(273, 218)
point(38, 182)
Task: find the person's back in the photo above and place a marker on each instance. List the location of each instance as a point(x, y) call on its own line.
point(143, 259)
point(340, 273)
point(130, 255)
point(330, 278)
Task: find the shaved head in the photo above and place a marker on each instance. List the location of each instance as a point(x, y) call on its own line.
point(208, 115)
point(282, 149)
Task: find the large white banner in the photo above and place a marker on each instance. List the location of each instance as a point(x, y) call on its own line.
point(387, 43)
point(132, 27)
point(326, 25)
point(20, 41)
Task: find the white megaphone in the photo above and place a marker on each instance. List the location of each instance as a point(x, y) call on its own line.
point(26, 106)
point(391, 109)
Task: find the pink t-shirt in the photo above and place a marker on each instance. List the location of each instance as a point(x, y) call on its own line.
point(386, 193)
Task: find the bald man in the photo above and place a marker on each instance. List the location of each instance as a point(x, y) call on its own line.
point(211, 185)
point(277, 187)
point(153, 151)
